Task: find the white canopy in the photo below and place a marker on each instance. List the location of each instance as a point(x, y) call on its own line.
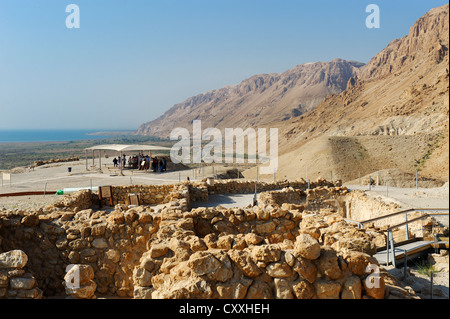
point(121, 149)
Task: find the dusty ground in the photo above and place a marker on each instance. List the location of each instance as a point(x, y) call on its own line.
point(421, 284)
point(55, 177)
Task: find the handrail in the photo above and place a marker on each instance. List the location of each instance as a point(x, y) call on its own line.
point(416, 219)
point(403, 212)
point(390, 236)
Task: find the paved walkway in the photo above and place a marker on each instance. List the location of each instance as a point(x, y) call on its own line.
point(227, 201)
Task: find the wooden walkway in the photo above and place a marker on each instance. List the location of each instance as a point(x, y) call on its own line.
point(412, 249)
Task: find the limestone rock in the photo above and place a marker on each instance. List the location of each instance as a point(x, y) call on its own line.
point(243, 260)
point(328, 265)
point(326, 289)
point(352, 288)
point(279, 270)
point(259, 290)
point(266, 253)
point(307, 247)
point(13, 259)
point(283, 289)
point(374, 286)
point(304, 290)
point(306, 269)
point(358, 262)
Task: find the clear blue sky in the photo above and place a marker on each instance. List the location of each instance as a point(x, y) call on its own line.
point(131, 60)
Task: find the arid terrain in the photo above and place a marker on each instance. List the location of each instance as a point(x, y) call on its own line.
point(391, 114)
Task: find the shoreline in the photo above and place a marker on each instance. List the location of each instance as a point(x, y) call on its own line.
point(24, 154)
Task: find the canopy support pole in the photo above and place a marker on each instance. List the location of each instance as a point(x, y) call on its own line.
point(121, 164)
point(100, 159)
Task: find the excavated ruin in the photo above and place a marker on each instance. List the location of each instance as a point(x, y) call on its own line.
point(293, 243)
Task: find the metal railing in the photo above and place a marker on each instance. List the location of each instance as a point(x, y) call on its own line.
point(390, 247)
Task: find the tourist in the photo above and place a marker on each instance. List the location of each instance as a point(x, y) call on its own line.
point(142, 168)
point(164, 164)
point(115, 161)
point(147, 162)
point(155, 164)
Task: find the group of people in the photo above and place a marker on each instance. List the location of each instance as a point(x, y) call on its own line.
point(142, 162)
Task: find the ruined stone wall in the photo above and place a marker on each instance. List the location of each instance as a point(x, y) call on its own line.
point(171, 252)
point(110, 243)
point(148, 194)
point(14, 281)
point(360, 207)
point(77, 201)
point(258, 253)
point(248, 187)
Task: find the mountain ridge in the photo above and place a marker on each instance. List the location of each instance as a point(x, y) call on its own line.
point(402, 92)
point(260, 99)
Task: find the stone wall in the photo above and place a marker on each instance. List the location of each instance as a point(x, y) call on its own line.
point(258, 253)
point(248, 187)
point(81, 200)
point(110, 243)
point(14, 281)
point(360, 207)
point(172, 252)
point(148, 194)
point(53, 161)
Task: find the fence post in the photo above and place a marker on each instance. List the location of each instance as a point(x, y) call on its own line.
point(393, 249)
point(370, 183)
point(406, 226)
point(387, 187)
point(417, 180)
point(431, 284)
point(405, 262)
point(387, 249)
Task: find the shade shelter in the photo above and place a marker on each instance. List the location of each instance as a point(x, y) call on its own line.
point(121, 149)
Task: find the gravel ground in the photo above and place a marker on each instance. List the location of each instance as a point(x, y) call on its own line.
point(412, 198)
point(28, 202)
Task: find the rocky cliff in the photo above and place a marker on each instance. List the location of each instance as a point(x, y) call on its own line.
point(400, 97)
point(259, 100)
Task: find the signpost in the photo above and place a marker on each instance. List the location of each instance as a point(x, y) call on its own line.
point(6, 177)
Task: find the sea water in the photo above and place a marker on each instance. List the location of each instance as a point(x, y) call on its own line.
point(23, 136)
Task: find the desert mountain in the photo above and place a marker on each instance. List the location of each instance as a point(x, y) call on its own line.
point(259, 100)
point(394, 114)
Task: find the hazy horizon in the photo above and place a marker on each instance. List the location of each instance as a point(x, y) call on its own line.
point(128, 63)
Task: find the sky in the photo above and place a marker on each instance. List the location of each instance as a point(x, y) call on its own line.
point(131, 60)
